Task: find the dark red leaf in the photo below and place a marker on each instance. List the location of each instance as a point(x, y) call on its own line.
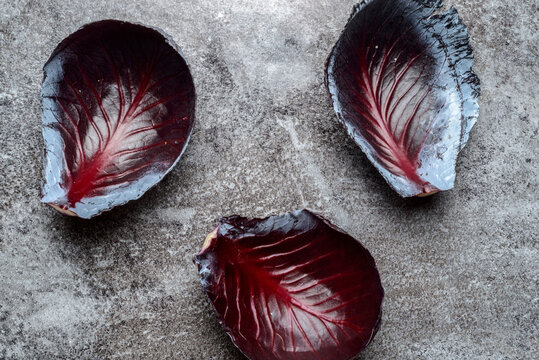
point(401, 81)
point(291, 287)
point(118, 106)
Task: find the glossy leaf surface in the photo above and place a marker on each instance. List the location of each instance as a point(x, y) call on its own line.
point(291, 287)
point(400, 79)
point(118, 106)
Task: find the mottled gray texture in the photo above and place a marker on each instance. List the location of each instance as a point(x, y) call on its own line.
point(459, 269)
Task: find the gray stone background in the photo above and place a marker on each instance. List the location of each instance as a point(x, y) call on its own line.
point(459, 268)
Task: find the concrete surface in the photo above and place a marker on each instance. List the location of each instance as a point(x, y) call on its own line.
point(459, 269)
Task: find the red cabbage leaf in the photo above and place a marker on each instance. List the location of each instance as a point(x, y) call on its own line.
point(118, 106)
point(291, 287)
point(400, 79)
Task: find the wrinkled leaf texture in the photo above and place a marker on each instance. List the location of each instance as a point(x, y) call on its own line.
point(400, 79)
point(118, 106)
point(291, 286)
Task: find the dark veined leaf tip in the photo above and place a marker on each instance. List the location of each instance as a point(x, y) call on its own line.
point(118, 105)
point(400, 79)
point(291, 286)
